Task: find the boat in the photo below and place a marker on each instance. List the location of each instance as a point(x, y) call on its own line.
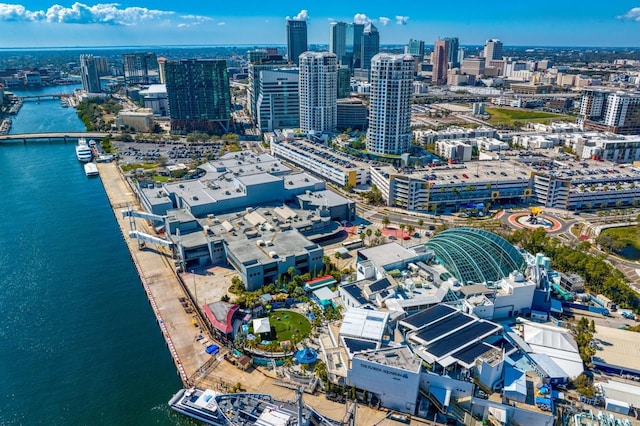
point(90, 169)
point(83, 152)
point(240, 409)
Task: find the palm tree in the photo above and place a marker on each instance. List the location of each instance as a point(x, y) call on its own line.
point(369, 231)
point(385, 221)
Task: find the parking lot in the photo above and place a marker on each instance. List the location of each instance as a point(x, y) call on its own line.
point(168, 152)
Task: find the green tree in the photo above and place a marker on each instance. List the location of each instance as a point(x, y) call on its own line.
point(386, 221)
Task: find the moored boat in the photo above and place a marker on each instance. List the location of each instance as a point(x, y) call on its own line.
point(90, 169)
point(83, 151)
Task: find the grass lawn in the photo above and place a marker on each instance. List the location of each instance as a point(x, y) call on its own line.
point(508, 116)
point(287, 322)
point(630, 235)
point(133, 166)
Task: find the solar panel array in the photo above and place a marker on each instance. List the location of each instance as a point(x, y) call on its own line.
point(444, 326)
point(428, 315)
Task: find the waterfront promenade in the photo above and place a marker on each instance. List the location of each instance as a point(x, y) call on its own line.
point(165, 293)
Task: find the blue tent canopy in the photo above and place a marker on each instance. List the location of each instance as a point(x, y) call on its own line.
point(306, 356)
point(212, 349)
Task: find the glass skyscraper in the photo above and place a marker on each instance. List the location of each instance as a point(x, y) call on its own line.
point(296, 39)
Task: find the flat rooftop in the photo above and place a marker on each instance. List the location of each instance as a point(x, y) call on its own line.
point(387, 254)
point(364, 323)
point(617, 347)
point(282, 244)
point(400, 357)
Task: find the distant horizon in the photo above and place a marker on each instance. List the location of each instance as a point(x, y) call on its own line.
point(263, 45)
point(614, 24)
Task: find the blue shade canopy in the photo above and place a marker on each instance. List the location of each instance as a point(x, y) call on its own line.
point(476, 255)
point(306, 356)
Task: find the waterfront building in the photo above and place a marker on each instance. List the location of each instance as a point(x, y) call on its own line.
point(338, 40)
point(492, 50)
point(390, 104)
point(296, 39)
point(370, 45)
point(199, 95)
point(139, 121)
point(141, 68)
point(318, 92)
point(416, 49)
point(89, 74)
point(102, 65)
point(353, 44)
point(440, 62)
point(278, 101)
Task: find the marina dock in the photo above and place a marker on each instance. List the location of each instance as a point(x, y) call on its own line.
point(167, 298)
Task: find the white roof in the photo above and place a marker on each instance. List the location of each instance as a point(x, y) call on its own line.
point(623, 392)
point(271, 417)
point(557, 344)
point(517, 381)
point(364, 323)
point(261, 325)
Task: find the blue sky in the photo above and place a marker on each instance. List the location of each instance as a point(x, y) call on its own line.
point(145, 22)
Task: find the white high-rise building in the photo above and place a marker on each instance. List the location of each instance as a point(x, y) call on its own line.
point(318, 92)
point(390, 104)
point(278, 105)
point(493, 49)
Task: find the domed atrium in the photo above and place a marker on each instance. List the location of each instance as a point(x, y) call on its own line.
point(475, 255)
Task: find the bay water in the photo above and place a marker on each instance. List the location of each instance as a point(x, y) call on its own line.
point(79, 344)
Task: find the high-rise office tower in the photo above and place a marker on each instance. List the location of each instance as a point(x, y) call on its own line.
point(390, 104)
point(278, 100)
point(254, 82)
point(318, 92)
point(199, 95)
point(338, 39)
point(493, 49)
point(461, 55)
point(370, 45)
point(141, 68)
point(344, 82)
point(353, 45)
point(609, 111)
point(296, 39)
point(161, 61)
point(440, 62)
point(89, 74)
point(416, 49)
point(454, 45)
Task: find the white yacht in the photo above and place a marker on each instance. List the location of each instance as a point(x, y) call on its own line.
point(83, 151)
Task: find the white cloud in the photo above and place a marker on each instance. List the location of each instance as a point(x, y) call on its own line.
point(361, 18)
point(402, 20)
point(303, 15)
point(384, 20)
point(102, 13)
point(222, 23)
point(632, 15)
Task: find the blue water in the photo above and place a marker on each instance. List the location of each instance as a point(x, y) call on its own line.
point(79, 344)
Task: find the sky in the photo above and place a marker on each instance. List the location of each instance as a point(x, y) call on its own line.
point(45, 23)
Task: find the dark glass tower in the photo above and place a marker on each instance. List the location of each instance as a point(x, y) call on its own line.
point(296, 39)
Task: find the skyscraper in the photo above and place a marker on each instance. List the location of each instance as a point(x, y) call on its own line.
point(89, 74)
point(454, 45)
point(370, 45)
point(278, 101)
point(390, 104)
point(199, 95)
point(296, 39)
point(344, 82)
point(338, 39)
point(440, 62)
point(416, 49)
point(353, 45)
point(318, 92)
point(493, 49)
point(141, 68)
point(254, 83)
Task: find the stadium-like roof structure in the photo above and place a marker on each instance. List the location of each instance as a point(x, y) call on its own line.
point(475, 255)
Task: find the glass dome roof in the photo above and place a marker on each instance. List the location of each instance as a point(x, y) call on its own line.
point(475, 255)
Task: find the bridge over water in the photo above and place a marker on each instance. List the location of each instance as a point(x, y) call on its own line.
point(45, 96)
point(65, 137)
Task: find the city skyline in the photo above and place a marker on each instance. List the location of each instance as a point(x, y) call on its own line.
point(41, 23)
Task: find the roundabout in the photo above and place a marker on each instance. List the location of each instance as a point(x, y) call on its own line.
point(534, 220)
